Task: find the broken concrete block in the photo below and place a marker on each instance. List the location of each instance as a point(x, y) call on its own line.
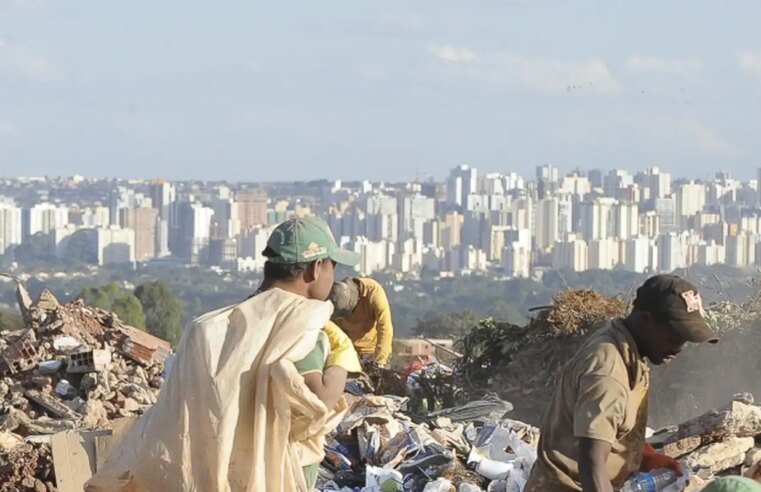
point(89, 361)
point(95, 414)
point(753, 456)
point(720, 456)
point(130, 405)
point(20, 356)
point(50, 405)
point(735, 420)
point(142, 347)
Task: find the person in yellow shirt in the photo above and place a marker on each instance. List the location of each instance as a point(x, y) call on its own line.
point(362, 312)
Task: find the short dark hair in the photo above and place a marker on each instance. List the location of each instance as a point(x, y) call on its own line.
point(283, 271)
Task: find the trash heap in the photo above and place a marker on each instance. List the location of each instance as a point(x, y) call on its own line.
point(469, 448)
point(73, 366)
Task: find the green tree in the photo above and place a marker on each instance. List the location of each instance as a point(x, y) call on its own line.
point(10, 321)
point(163, 311)
point(446, 325)
point(111, 297)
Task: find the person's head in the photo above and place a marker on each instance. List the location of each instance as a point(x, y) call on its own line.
point(667, 313)
point(344, 295)
point(301, 257)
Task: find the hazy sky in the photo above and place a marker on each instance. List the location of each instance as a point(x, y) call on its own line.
point(380, 90)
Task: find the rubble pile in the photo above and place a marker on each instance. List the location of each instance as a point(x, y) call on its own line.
point(26, 466)
point(73, 366)
point(718, 441)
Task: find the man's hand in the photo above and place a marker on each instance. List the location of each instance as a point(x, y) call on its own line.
point(651, 460)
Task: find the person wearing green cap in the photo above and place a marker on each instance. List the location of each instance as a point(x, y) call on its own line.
point(593, 434)
point(255, 386)
point(297, 252)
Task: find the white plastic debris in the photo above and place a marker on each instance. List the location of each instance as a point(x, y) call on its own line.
point(66, 343)
point(383, 479)
point(62, 388)
point(468, 487)
point(441, 484)
point(494, 469)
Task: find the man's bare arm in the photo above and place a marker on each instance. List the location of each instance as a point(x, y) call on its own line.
point(328, 386)
point(593, 458)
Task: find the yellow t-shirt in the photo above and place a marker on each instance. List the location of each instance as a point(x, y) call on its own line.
point(601, 394)
point(369, 325)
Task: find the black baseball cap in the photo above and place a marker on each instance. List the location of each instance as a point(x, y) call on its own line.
point(677, 301)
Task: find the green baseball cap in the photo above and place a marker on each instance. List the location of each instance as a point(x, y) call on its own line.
point(303, 240)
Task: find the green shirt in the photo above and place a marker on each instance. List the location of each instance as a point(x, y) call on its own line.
point(314, 362)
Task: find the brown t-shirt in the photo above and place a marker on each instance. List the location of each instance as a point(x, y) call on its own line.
point(601, 394)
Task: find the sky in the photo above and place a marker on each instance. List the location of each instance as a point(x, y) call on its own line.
point(391, 91)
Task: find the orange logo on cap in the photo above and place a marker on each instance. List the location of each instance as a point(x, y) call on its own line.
point(314, 250)
point(694, 301)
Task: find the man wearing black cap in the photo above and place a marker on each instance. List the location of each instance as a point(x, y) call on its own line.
point(593, 436)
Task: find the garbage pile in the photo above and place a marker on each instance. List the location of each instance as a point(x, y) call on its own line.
point(521, 363)
point(73, 366)
point(473, 447)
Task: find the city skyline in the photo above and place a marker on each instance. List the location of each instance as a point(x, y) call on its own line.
point(482, 222)
point(271, 93)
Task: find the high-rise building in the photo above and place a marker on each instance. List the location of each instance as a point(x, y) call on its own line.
point(252, 208)
point(546, 180)
point(710, 253)
point(163, 195)
point(672, 252)
point(575, 184)
point(617, 180)
point(522, 210)
point(741, 249)
point(650, 224)
point(115, 245)
point(225, 223)
point(10, 227)
point(626, 220)
point(463, 181)
point(690, 199)
point(547, 223)
point(598, 219)
point(641, 255)
point(145, 222)
point(44, 217)
point(195, 231)
point(570, 254)
point(659, 182)
point(451, 230)
point(665, 208)
point(603, 254)
point(516, 260)
point(414, 212)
